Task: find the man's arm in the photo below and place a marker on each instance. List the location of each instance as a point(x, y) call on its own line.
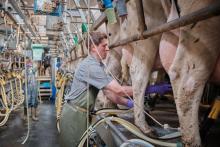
point(119, 90)
point(118, 99)
point(115, 92)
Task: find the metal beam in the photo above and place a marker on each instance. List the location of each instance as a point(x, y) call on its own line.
point(18, 10)
point(53, 33)
point(16, 23)
point(76, 8)
point(77, 30)
point(29, 17)
point(78, 22)
point(99, 21)
point(202, 14)
point(84, 8)
point(80, 11)
point(52, 46)
point(90, 12)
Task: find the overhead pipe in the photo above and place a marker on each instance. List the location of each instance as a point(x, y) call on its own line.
point(78, 32)
point(64, 39)
point(76, 8)
point(78, 22)
point(15, 22)
point(30, 17)
point(90, 12)
point(18, 10)
point(85, 8)
point(80, 11)
point(202, 14)
point(65, 21)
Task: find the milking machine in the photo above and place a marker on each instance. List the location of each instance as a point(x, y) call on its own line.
point(61, 85)
point(11, 96)
point(11, 68)
point(115, 131)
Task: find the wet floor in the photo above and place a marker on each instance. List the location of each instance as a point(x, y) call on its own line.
point(43, 133)
point(165, 112)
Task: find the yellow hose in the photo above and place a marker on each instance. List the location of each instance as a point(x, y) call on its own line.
point(132, 128)
point(12, 96)
point(110, 111)
point(20, 87)
point(5, 103)
point(59, 100)
point(19, 97)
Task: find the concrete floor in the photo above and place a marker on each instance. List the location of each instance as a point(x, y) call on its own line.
point(165, 112)
point(43, 133)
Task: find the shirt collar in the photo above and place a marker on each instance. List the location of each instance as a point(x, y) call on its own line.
point(92, 57)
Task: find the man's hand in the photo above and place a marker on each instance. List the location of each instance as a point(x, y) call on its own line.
point(119, 90)
point(116, 98)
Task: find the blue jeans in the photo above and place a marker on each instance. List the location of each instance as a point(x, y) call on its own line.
point(32, 96)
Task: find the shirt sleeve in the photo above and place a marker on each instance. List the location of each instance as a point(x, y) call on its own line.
point(96, 76)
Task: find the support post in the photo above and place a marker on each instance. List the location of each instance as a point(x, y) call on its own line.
point(53, 79)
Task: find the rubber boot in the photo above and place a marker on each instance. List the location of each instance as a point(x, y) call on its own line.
point(34, 114)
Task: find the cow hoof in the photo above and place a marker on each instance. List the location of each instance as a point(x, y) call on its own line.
point(145, 128)
point(190, 145)
point(152, 134)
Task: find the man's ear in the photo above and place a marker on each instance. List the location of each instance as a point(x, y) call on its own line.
point(92, 48)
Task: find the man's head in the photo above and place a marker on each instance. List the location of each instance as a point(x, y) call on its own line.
point(98, 44)
point(29, 62)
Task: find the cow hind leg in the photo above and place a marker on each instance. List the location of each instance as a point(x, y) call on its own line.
point(139, 83)
point(141, 65)
point(189, 72)
point(187, 103)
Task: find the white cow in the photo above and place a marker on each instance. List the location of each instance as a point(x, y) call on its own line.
point(197, 53)
point(194, 62)
point(144, 52)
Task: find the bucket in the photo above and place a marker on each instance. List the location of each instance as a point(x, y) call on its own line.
point(110, 13)
point(121, 7)
point(108, 4)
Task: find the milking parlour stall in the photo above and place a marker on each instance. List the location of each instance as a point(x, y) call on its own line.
point(109, 73)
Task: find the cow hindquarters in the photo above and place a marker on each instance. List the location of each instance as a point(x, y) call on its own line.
point(195, 59)
point(188, 89)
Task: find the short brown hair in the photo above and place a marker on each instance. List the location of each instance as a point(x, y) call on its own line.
point(97, 38)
